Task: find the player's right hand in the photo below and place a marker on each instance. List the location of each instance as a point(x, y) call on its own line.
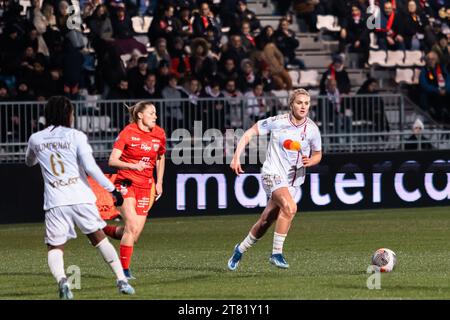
point(117, 198)
point(141, 165)
point(235, 165)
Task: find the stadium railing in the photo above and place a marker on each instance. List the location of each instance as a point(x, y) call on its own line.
point(361, 123)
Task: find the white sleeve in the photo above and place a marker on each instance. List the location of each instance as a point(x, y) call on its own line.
point(30, 156)
point(266, 125)
point(92, 169)
point(87, 161)
point(316, 141)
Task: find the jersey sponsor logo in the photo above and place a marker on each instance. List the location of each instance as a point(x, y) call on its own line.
point(135, 139)
point(134, 144)
point(145, 147)
point(64, 183)
point(292, 145)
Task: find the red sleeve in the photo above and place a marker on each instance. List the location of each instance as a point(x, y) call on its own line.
point(162, 144)
point(121, 141)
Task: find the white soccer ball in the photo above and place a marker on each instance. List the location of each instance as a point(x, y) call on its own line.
point(384, 260)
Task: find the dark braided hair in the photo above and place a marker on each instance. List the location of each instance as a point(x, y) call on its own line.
point(58, 112)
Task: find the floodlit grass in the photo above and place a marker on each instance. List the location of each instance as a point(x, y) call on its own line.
point(185, 258)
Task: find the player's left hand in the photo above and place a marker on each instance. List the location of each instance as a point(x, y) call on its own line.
point(158, 191)
point(117, 198)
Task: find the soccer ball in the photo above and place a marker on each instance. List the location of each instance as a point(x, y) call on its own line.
point(384, 260)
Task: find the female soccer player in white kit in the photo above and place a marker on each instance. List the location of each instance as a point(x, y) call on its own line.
point(295, 144)
point(65, 157)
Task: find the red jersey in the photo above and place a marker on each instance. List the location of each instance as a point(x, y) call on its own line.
point(137, 145)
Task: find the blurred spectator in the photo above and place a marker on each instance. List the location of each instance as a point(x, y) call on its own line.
point(191, 90)
point(355, 34)
point(441, 49)
point(56, 85)
point(266, 36)
point(186, 26)
point(164, 25)
point(62, 15)
point(417, 141)
point(287, 43)
point(49, 13)
point(124, 34)
point(161, 53)
point(214, 43)
point(415, 29)
point(434, 82)
point(256, 105)
point(266, 78)
point(4, 95)
point(203, 65)
point(11, 50)
point(180, 62)
point(136, 76)
point(242, 14)
point(72, 70)
point(233, 97)
point(40, 24)
point(389, 34)
point(305, 11)
point(234, 50)
point(337, 72)
point(149, 91)
point(248, 41)
point(162, 75)
point(101, 30)
point(370, 107)
point(172, 104)
point(275, 60)
point(120, 91)
point(204, 19)
point(249, 77)
point(213, 110)
point(228, 71)
point(336, 113)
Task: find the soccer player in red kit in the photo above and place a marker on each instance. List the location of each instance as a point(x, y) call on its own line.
point(139, 149)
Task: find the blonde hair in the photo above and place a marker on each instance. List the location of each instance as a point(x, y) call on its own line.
point(296, 93)
point(137, 108)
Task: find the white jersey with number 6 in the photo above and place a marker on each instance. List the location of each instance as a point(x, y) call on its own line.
point(288, 142)
point(58, 151)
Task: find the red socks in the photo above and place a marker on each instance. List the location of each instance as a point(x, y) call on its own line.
point(125, 256)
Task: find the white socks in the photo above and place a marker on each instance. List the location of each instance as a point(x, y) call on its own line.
point(110, 256)
point(247, 243)
point(278, 241)
point(56, 264)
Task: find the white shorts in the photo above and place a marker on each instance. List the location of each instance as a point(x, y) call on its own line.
point(60, 222)
point(272, 182)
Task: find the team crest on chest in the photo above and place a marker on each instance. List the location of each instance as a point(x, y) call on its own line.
point(155, 146)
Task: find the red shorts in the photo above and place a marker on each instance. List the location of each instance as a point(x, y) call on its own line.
point(145, 197)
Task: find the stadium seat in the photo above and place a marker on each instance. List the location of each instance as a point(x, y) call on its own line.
point(395, 58)
point(404, 75)
point(295, 75)
point(328, 22)
point(141, 24)
point(282, 96)
point(125, 58)
point(373, 41)
point(309, 78)
point(377, 57)
point(414, 58)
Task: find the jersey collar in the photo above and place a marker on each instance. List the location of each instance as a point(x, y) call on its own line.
point(299, 125)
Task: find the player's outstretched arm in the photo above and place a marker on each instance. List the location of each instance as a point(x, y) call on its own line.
point(235, 164)
point(115, 162)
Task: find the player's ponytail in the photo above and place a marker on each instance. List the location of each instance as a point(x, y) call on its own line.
point(136, 109)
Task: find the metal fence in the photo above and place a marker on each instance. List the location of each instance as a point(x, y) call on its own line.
point(354, 123)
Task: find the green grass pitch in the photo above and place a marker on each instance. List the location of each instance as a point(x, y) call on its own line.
point(185, 258)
